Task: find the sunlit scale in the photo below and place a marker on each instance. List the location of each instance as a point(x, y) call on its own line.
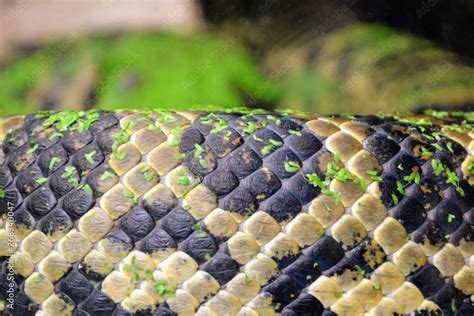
point(164, 213)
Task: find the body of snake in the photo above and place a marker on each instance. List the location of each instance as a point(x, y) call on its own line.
point(236, 213)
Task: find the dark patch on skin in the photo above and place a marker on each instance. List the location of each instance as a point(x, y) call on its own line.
point(276, 162)
point(137, 223)
point(77, 202)
point(446, 161)
point(240, 201)
point(305, 304)
point(326, 252)
point(61, 184)
point(40, 202)
point(299, 186)
point(283, 291)
point(224, 142)
point(464, 232)
point(74, 141)
point(76, 286)
point(428, 193)
point(44, 161)
point(303, 271)
point(119, 237)
point(448, 215)
point(22, 158)
point(26, 181)
point(260, 139)
point(14, 140)
point(157, 240)
point(283, 125)
point(190, 137)
point(410, 213)
point(222, 267)
point(104, 121)
point(178, 224)
point(97, 303)
point(402, 165)
point(368, 255)
point(196, 167)
point(159, 207)
point(448, 296)
point(305, 145)
point(23, 219)
point(282, 206)
point(98, 185)
point(82, 164)
point(388, 186)
point(200, 245)
point(381, 147)
point(395, 131)
point(430, 231)
point(428, 280)
point(11, 201)
point(5, 177)
point(221, 182)
point(56, 221)
point(243, 161)
point(262, 184)
point(105, 140)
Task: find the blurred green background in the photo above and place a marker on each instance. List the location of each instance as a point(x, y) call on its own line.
point(347, 65)
point(133, 71)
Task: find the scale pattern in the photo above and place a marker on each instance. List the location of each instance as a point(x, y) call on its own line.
point(183, 213)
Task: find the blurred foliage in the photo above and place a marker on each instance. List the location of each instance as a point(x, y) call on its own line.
point(366, 68)
point(362, 68)
point(178, 72)
point(136, 71)
point(307, 90)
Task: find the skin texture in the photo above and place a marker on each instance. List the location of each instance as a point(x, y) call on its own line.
point(237, 211)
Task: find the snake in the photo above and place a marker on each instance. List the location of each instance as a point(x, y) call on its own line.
point(235, 212)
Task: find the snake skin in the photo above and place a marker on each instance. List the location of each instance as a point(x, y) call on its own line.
point(194, 213)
